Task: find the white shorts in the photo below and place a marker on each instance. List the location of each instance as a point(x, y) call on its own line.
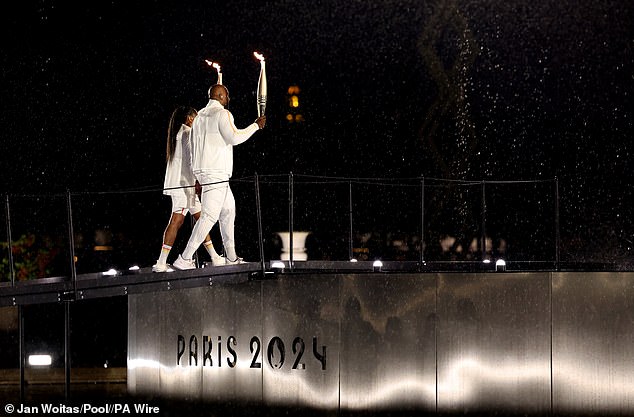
point(181, 205)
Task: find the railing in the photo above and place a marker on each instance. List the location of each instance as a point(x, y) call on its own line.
point(423, 220)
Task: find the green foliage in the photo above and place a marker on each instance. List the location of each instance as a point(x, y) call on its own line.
point(32, 258)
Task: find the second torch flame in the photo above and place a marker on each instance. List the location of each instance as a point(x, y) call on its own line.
point(217, 67)
point(262, 93)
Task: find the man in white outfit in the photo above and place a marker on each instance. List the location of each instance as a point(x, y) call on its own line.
point(213, 137)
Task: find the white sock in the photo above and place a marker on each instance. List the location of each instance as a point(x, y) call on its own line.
point(165, 251)
point(210, 249)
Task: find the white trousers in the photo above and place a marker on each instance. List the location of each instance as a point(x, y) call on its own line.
point(218, 204)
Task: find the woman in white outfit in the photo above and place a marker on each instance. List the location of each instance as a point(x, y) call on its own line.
point(180, 184)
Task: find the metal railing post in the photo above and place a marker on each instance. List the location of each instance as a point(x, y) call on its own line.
point(258, 208)
point(350, 242)
point(557, 231)
point(290, 219)
point(10, 243)
point(422, 221)
point(484, 210)
point(71, 241)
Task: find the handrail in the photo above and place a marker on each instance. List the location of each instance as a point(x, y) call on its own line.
point(294, 180)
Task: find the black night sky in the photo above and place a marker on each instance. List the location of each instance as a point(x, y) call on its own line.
point(452, 90)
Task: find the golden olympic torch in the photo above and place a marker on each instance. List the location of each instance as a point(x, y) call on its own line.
point(261, 95)
point(217, 67)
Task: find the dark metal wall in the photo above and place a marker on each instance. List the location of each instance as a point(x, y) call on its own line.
point(525, 343)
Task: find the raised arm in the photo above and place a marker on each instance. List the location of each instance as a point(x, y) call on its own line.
point(231, 134)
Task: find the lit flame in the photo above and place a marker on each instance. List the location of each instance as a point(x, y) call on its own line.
point(213, 64)
point(259, 56)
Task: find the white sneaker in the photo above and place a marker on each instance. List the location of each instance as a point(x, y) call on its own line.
point(235, 262)
point(183, 264)
point(159, 267)
point(218, 260)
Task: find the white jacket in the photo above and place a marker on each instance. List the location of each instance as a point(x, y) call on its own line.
point(213, 137)
point(178, 172)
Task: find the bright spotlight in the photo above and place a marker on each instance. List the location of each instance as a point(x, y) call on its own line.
point(353, 260)
point(134, 268)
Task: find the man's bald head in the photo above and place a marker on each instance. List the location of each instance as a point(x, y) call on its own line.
point(220, 93)
point(217, 90)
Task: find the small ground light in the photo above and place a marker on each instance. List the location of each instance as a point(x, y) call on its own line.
point(277, 265)
point(500, 265)
point(377, 265)
point(134, 268)
point(110, 273)
point(353, 260)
